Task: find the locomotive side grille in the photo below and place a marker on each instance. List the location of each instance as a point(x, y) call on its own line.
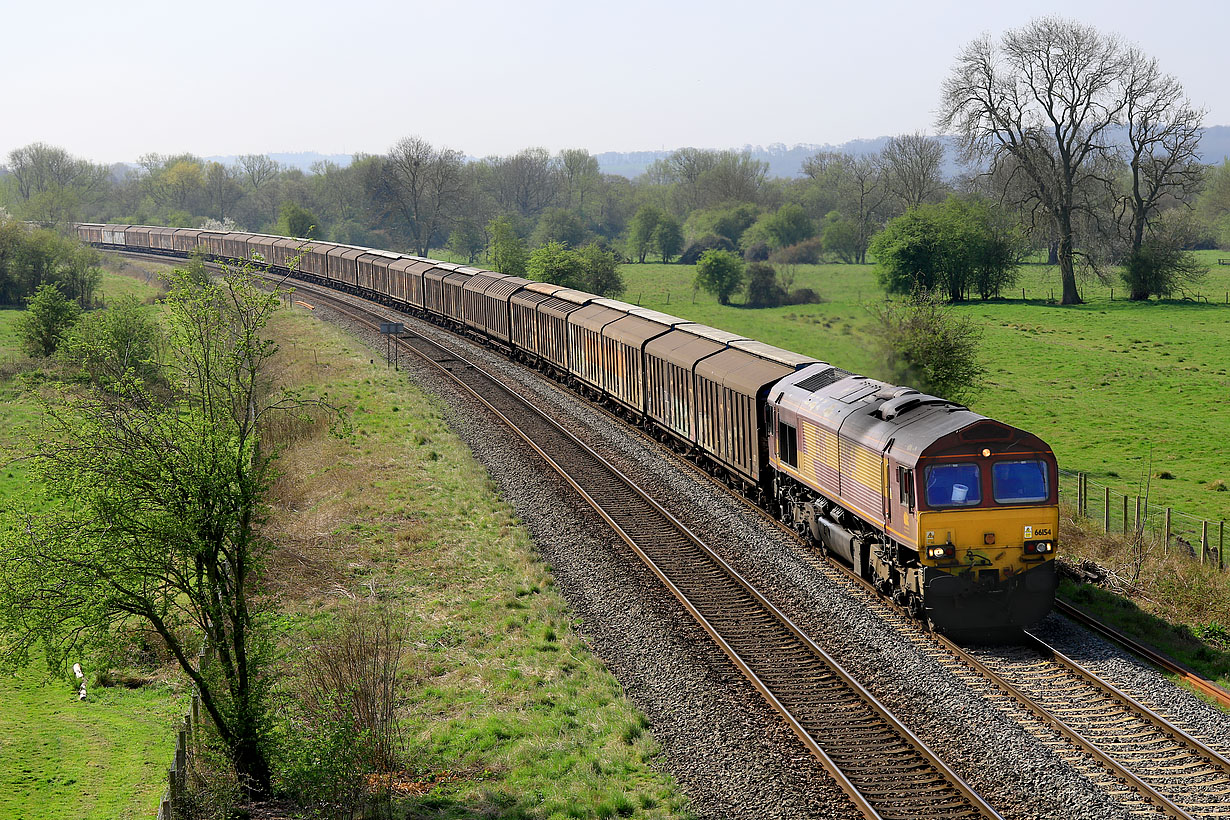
point(822, 379)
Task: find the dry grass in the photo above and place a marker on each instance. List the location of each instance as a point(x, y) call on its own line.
point(1164, 597)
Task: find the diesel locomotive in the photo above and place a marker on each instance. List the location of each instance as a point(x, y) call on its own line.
point(952, 514)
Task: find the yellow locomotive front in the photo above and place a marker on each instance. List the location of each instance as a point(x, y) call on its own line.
point(985, 529)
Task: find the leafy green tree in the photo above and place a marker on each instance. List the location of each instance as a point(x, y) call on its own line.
point(927, 346)
point(559, 225)
point(296, 221)
point(466, 240)
point(729, 222)
point(789, 225)
point(117, 344)
point(153, 514)
point(954, 246)
point(641, 231)
point(506, 251)
point(668, 237)
point(602, 275)
point(841, 236)
point(763, 289)
point(557, 264)
point(48, 316)
point(719, 273)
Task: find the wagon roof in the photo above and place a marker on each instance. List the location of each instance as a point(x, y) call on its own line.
point(594, 317)
point(741, 371)
point(682, 349)
point(725, 337)
point(634, 330)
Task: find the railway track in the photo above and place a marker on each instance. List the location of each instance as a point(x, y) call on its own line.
point(886, 771)
point(1147, 763)
point(1161, 763)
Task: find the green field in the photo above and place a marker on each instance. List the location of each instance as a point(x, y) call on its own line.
point(1108, 384)
point(60, 758)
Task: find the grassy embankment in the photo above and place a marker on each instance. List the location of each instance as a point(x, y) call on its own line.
point(61, 758)
point(504, 708)
point(1120, 390)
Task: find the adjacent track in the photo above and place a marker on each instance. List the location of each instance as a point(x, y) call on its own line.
point(880, 764)
point(1164, 765)
point(1194, 679)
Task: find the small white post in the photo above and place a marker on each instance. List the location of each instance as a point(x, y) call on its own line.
point(81, 677)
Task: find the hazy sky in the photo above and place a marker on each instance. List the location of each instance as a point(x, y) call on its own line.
point(111, 81)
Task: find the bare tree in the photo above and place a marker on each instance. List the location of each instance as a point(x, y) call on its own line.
point(525, 182)
point(50, 183)
point(1045, 98)
point(422, 184)
point(1163, 135)
point(222, 191)
point(258, 170)
point(912, 169)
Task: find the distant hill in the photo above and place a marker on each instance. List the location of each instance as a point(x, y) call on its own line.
point(784, 161)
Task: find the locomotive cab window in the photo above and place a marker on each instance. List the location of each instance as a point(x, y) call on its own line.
point(954, 485)
point(905, 486)
point(1020, 482)
point(787, 444)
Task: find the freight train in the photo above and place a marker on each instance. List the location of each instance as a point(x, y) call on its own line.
point(951, 514)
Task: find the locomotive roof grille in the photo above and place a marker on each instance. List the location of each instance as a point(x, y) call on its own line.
point(822, 379)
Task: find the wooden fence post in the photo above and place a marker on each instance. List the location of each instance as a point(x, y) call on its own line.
point(1080, 494)
point(1221, 545)
point(1106, 510)
point(1204, 540)
point(1125, 513)
point(1167, 541)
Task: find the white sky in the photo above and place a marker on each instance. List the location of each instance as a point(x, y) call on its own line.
point(111, 81)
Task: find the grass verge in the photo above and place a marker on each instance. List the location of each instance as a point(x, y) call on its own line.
point(505, 711)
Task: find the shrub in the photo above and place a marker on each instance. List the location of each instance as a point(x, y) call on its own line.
point(807, 252)
point(711, 242)
point(763, 289)
point(720, 273)
point(927, 346)
point(758, 252)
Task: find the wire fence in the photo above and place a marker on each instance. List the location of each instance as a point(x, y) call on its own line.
point(1118, 512)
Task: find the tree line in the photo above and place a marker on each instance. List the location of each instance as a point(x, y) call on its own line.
point(1079, 140)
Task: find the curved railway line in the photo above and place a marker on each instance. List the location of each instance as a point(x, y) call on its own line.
point(886, 771)
point(1147, 763)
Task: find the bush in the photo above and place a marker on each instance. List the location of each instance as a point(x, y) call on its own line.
point(758, 252)
point(927, 346)
point(807, 252)
point(720, 273)
point(46, 320)
point(345, 727)
point(763, 289)
point(711, 242)
point(804, 296)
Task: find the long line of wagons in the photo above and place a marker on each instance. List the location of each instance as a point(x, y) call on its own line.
point(951, 513)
